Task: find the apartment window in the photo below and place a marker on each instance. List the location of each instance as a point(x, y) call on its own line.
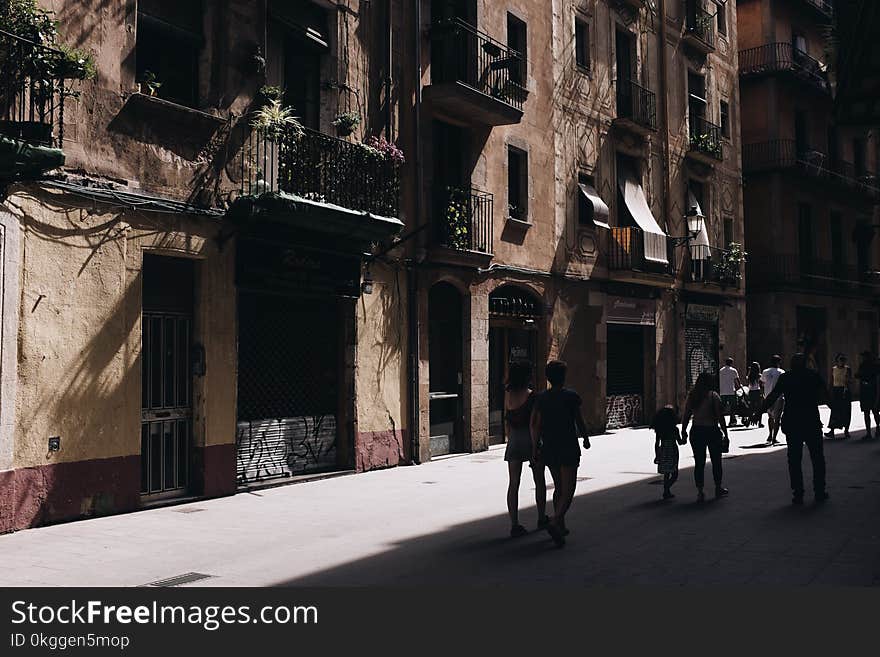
point(799, 43)
point(721, 15)
point(517, 40)
point(696, 95)
point(582, 43)
point(517, 183)
point(169, 40)
point(729, 237)
point(725, 119)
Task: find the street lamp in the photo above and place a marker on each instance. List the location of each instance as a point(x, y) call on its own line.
point(692, 229)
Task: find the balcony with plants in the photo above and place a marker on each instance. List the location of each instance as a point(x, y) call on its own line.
point(704, 140)
point(315, 181)
point(475, 78)
point(37, 75)
point(720, 267)
point(462, 221)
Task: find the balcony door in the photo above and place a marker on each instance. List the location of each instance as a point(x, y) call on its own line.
point(445, 366)
point(625, 54)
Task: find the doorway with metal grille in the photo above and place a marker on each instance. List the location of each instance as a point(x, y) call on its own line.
point(288, 386)
point(166, 386)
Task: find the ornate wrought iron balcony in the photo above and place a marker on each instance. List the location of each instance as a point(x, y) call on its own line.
point(773, 58)
point(463, 219)
point(320, 168)
point(636, 107)
point(704, 139)
point(474, 77)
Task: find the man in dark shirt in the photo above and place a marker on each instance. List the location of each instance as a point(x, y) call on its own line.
point(556, 423)
point(804, 390)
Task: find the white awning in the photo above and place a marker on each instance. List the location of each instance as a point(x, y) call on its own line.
point(700, 244)
point(637, 204)
point(600, 210)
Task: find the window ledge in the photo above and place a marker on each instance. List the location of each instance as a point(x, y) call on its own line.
point(522, 224)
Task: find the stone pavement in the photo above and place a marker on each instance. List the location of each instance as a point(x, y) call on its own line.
point(444, 523)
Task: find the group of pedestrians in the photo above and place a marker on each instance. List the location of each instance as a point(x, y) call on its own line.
point(544, 429)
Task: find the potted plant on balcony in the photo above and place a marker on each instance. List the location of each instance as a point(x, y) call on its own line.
point(150, 82)
point(457, 224)
point(346, 122)
point(706, 144)
point(728, 269)
point(275, 120)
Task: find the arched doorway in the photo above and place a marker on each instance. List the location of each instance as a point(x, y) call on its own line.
point(445, 369)
point(514, 319)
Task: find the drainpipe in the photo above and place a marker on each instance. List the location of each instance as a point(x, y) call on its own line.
point(667, 200)
point(413, 300)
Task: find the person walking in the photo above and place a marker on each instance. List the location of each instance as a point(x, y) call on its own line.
point(556, 424)
point(804, 390)
point(729, 383)
point(841, 407)
point(518, 402)
point(869, 391)
point(769, 377)
point(666, 441)
point(709, 432)
point(756, 391)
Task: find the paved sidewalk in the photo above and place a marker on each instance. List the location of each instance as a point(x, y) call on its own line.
point(445, 523)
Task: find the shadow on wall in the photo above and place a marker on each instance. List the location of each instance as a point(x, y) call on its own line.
point(82, 378)
point(627, 535)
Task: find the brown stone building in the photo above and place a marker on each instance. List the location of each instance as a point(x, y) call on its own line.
point(205, 294)
point(810, 190)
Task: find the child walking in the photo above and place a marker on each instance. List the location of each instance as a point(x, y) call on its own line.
point(666, 441)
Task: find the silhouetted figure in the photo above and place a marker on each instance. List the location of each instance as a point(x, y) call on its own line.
point(556, 424)
point(769, 378)
point(666, 441)
point(756, 391)
point(841, 406)
point(710, 429)
point(804, 390)
point(729, 383)
point(869, 391)
point(518, 402)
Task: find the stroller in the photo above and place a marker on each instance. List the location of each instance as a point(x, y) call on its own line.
point(742, 407)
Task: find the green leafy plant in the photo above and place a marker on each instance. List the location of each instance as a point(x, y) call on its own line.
point(151, 82)
point(457, 219)
point(75, 64)
point(270, 92)
point(728, 269)
point(706, 143)
point(347, 122)
point(275, 120)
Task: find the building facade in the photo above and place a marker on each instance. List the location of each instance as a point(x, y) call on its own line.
point(202, 292)
point(810, 191)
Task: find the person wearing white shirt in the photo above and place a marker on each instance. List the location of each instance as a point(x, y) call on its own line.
point(769, 377)
point(728, 380)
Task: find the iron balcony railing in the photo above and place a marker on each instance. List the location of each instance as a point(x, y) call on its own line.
point(825, 7)
point(463, 219)
point(783, 57)
point(711, 269)
point(32, 91)
point(636, 103)
point(704, 137)
point(768, 271)
point(789, 154)
point(461, 53)
point(321, 168)
point(699, 23)
point(626, 252)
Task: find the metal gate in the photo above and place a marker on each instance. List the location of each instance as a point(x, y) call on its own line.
point(701, 347)
point(288, 386)
point(166, 405)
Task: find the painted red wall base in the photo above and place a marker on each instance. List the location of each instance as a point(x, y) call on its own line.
point(30, 497)
point(380, 449)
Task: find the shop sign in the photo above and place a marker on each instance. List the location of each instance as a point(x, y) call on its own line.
point(697, 312)
point(293, 269)
point(630, 310)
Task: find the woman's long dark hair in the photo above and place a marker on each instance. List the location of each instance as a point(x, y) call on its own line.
point(520, 376)
point(704, 384)
point(754, 372)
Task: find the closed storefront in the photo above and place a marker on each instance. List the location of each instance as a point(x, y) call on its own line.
point(630, 360)
point(701, 341)
point(294, 305)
